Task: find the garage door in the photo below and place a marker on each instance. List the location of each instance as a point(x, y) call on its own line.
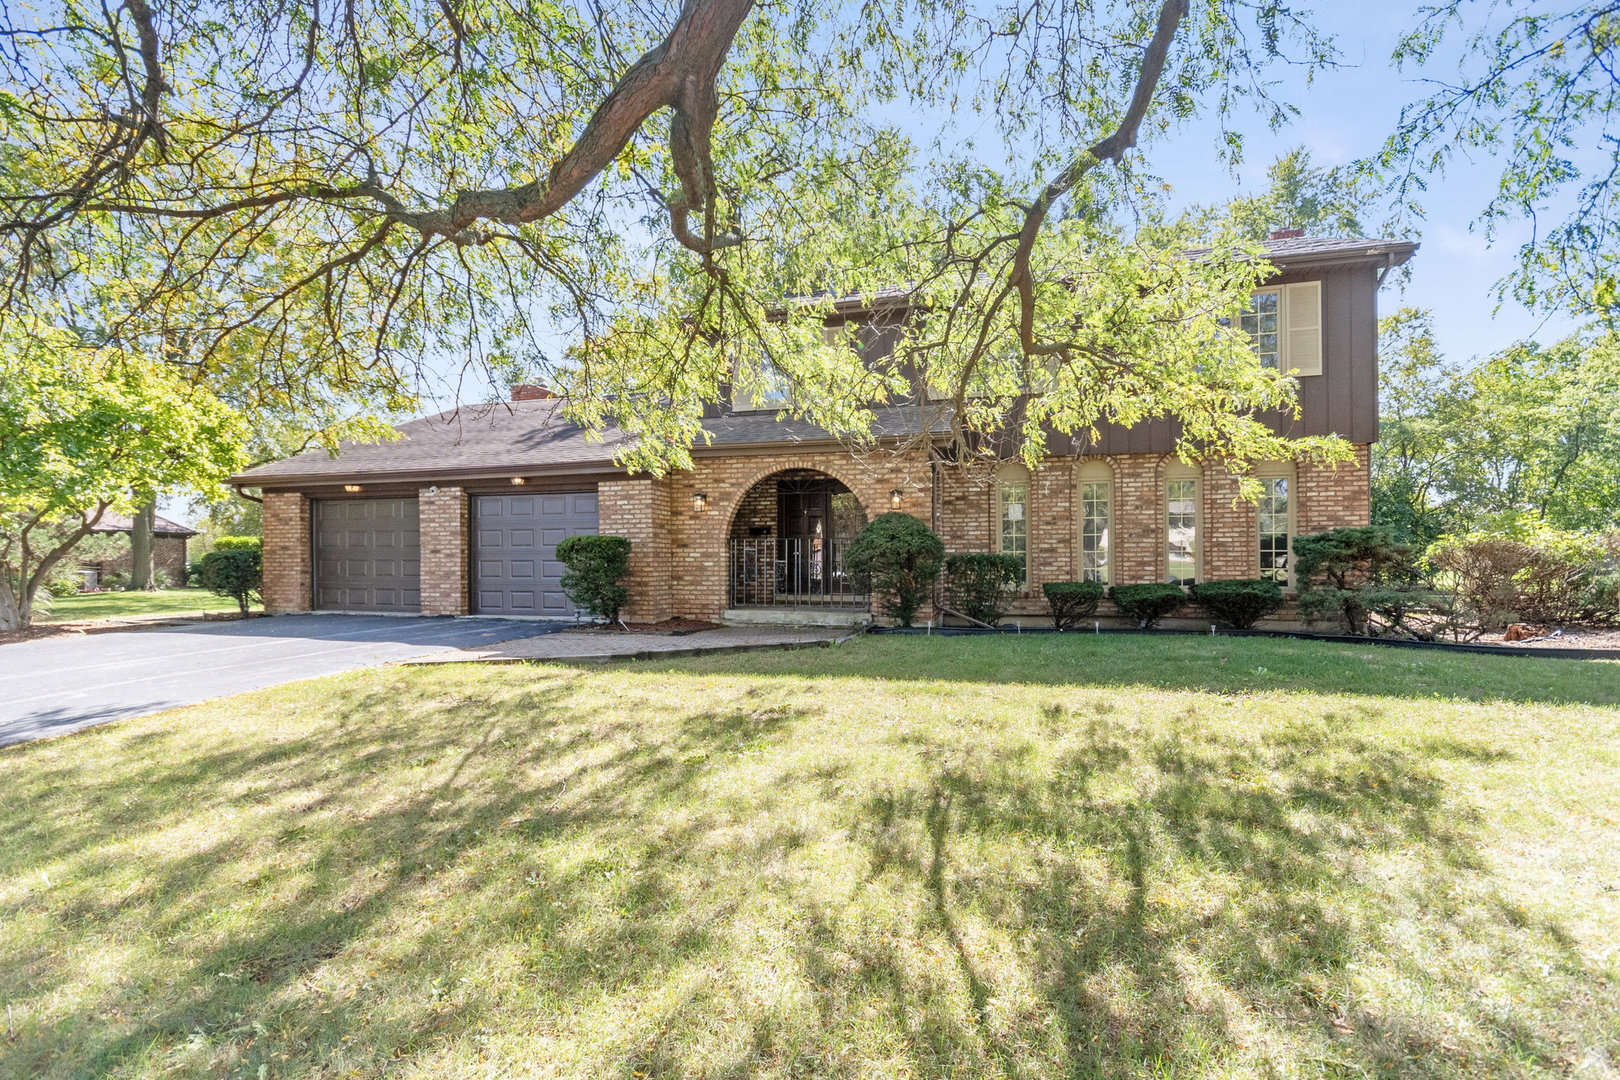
point(367, 555)
point(516, 567)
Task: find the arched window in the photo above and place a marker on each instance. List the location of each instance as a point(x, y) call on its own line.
point(1012, 514)
point(1096, 521)
point(1183, 522)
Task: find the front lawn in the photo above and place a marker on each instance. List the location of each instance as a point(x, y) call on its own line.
point(122, 605)
point(1047, 856)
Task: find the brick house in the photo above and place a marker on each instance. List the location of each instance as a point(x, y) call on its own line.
point(462, 514)
point(169, 541)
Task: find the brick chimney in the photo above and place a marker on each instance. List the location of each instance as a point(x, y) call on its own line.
point(1286, 234)
point(531, 392)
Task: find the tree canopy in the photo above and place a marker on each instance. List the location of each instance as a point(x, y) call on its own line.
point(301, 202)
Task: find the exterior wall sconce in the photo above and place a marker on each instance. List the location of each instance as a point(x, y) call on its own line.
point(895, 496)
point(519, 480)
point(700, 502)
point(351, 487)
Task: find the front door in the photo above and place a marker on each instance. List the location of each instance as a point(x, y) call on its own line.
point(804, 512)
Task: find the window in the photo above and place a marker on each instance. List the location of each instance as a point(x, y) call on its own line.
point(1181, 534)
point(1285, 326)
point(774, 391)
point(1012, 492)
point(1273, 515)
point(1261, 323)
point(1096, 494)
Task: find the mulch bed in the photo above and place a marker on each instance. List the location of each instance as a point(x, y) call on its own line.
point(113, 625)
point(667, 628)
point(1570, 638)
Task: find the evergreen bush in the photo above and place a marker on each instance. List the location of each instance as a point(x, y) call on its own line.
point(895, 560)
point(595, 566)
point(235, 568)
point(1239, 603)
point(1149, 603)
point(982, 585)
point(1071, 601)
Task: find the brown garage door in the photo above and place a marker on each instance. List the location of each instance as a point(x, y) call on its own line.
point(515, 559)
point(367, 555)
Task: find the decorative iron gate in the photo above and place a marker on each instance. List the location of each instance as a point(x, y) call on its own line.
point(795, 571)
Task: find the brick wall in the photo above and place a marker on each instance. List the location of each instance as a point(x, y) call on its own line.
point(1139, 518)
point(699, 555)
point(168, 556)
point(1231, 541)
point(638, 509)
point(1336, 497)
point(287, 576)
point(443, 516)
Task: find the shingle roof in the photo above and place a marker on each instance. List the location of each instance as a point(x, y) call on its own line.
point(1296, 249)
point(161, 526)
point(524, 437)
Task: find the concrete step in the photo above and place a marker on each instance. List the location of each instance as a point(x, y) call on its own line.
point(795, 616)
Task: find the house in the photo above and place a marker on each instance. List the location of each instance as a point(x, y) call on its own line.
point(463, 513)
point(169, 541)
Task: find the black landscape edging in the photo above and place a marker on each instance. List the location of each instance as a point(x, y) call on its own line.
point(1553, 653)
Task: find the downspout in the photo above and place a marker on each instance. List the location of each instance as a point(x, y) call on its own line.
point(245, 495)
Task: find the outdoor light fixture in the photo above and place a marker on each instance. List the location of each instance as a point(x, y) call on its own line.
point(895, 495)
point(700, 502)
point(519, 480)
point(351, 487)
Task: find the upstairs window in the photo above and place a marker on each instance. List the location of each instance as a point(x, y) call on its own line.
point(1284, 325)
point(776, 389)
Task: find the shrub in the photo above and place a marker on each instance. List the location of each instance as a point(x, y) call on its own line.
point(235, 568)
point(1543, 576)
point(1352, 575)
point(595, 565)
point(1071, 601)
point(895, 560)
point(1240, 603)
point(1147, 604)
point(981, 585)
point(1480, 571)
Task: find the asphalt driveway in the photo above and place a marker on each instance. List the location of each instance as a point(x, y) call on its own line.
point(52, 686)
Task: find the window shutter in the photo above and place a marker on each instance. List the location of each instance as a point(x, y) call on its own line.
point(1303, 311)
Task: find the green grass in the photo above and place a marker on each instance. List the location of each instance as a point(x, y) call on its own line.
point(118, 605)
point(1048, 856)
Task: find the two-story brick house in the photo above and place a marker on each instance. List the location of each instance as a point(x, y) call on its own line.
point(462, 514)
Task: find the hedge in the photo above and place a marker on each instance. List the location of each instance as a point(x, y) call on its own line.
point(1071, 601)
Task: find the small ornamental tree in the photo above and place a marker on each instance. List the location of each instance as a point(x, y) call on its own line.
point(1071, 601)
point(895, 560)
point(981, 585)
point(1353, 575)
point(235, 568)
point(1149, 603)
point(1240, 603)
point(595, 566)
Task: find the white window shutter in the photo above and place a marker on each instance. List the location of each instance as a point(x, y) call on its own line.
point(1302, 306)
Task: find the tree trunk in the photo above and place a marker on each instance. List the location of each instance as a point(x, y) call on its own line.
point(14, 613)
point(140, 548)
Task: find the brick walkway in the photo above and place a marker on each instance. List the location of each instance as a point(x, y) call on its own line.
point(599, 648)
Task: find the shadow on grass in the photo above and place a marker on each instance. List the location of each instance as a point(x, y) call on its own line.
point(538, 859)
point(1216, 665)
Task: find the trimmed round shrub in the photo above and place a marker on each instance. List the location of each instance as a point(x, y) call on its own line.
point(981, 586)
point(235, 568)
point(1240, 603)
point(595, 565)
point(1149, 603)
point(1071, 601)
point(896, 561)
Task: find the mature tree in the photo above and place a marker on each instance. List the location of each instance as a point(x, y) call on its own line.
point(80, 430)
point(1530, 433)
point(1316, 199)
point(314, 198)
point(1419, 408)
point(1535, 90)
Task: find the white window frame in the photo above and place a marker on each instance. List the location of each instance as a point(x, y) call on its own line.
point(1266, 472)
point(1178, 473)
point(1010, 477)
point(1299, 326)
point(1095, 475)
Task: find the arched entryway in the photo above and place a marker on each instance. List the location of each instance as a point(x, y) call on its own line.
point(787, 542)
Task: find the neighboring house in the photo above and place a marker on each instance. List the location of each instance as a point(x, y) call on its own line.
point(168, 550)
point(463, 513)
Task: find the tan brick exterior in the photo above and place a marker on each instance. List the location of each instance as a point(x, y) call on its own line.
point(638, 509)
point(679, 556)
point(168, 556)
point(287, 576)
point(444, 518)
